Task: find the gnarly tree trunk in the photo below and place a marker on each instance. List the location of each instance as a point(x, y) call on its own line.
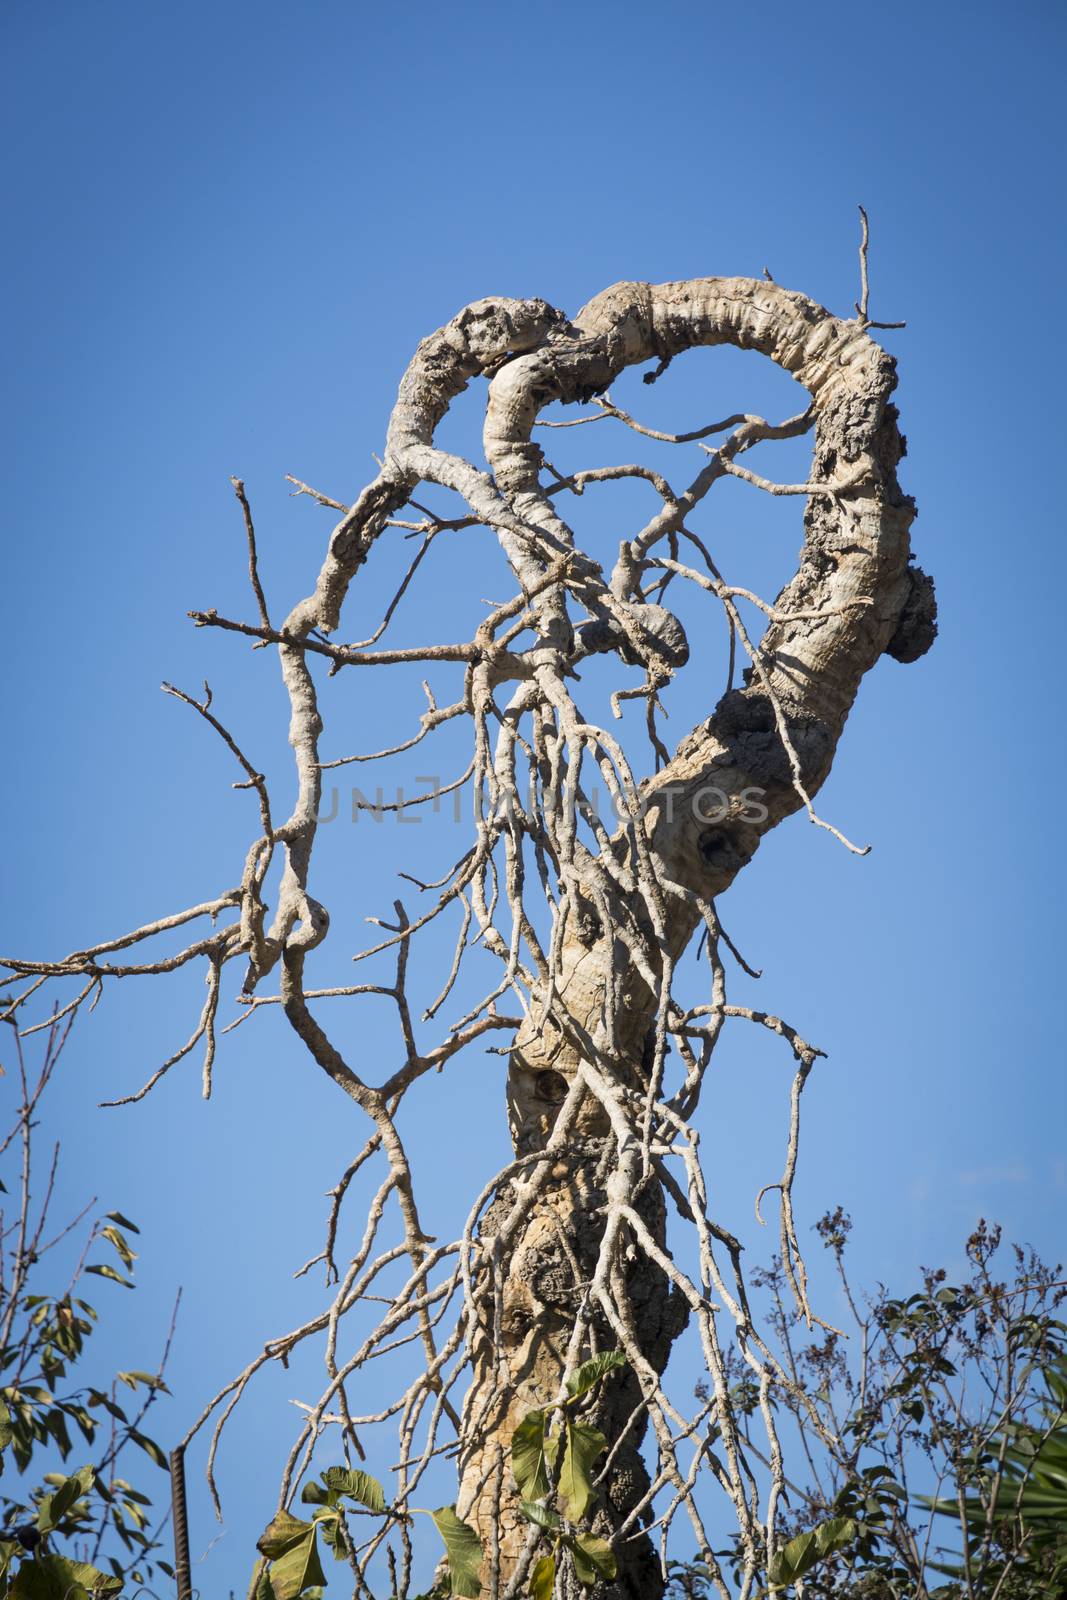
point(576, 1248)
point(856, 549)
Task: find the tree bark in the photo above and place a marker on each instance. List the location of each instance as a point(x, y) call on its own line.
point(571, 1254)
point(856, 549)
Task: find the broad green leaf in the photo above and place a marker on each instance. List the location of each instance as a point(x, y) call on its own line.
point(583, 1445)
point(149, 1379)
point(834, 1534)
point(543, 1578)
point(282, 1534)
point(150, 1448)
point(123, 1222)
point(529, 1459)
point(358, 1486)
point(593, 1558)
point(134, 1512)
point(132, 1494)
point(801, 1553)
point(297, 1570)
point(328, 1521)
point(793, 1560)
point(115, 1238)
point(537, 1512)
point(55, 1578)
point(35, 1580)
point(464, 1552)
point(8, 1551)
point(314, 1494)
point(98, 1398)
point(104, 1271)
point(96, 1582)
point(589, 1374)
point(54, 1507)
point(57, 1427)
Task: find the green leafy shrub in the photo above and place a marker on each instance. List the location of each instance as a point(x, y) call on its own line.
point(60, 1529)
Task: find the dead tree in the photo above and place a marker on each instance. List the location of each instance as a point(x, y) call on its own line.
point(566, 1252)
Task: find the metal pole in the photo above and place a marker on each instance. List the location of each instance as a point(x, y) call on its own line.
point(181, 1524)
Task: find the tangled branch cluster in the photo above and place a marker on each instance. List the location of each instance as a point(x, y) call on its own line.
point(588, 926)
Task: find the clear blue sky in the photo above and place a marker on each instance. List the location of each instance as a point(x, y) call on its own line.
point(228, 226)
